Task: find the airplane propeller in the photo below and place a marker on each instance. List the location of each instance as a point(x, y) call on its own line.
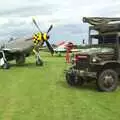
point(50, 28)
point(49, 47)
point(46, 41)
point(35, 23)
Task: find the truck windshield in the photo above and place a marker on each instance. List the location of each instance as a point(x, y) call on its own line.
point(107, 39)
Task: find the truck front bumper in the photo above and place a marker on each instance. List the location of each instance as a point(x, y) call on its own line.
point(82, 73)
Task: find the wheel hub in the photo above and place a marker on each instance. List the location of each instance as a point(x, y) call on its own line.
point(108, 81)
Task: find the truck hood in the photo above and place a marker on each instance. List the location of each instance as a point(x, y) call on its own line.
point(100, 50)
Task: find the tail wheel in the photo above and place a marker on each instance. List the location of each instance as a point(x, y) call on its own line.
point(107, 80)
point(74, 80)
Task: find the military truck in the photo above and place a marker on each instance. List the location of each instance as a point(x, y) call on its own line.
point(100, 60)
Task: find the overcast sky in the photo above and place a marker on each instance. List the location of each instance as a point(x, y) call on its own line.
point(65, 15)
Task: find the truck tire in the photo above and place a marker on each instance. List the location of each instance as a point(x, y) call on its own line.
point(107, 80)
point(74, 80)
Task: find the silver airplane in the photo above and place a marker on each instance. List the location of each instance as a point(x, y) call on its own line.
point(19, 49)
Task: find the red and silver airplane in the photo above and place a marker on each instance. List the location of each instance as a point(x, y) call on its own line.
point(61, 47)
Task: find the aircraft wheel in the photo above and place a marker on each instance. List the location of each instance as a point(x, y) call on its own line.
point(20, 60)
point(6, 66)
point(39, 62)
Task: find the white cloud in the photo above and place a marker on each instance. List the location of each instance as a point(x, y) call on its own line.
point(3, 20)
point(15, 15)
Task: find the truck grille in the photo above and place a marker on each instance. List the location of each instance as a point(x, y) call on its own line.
point(82, 62)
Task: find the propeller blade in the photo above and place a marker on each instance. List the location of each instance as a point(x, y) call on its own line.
point(35, 23)
point(49, 29)
point(49, 47)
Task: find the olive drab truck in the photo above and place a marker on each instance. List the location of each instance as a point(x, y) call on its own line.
point(100, 59)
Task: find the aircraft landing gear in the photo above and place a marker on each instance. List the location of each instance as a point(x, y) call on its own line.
point(3, 62)
point(20, 60)
point(39, 62)
point(6, 66)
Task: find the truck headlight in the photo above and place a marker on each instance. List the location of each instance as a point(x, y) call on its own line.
point(96, 59)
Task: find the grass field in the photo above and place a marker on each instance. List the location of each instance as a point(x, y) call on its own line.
point(41, 93)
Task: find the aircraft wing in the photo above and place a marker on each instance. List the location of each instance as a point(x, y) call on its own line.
point(75, 50)
point(60, 50)
point(13, 50)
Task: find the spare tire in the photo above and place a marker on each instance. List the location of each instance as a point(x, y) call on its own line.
point(73, 79)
